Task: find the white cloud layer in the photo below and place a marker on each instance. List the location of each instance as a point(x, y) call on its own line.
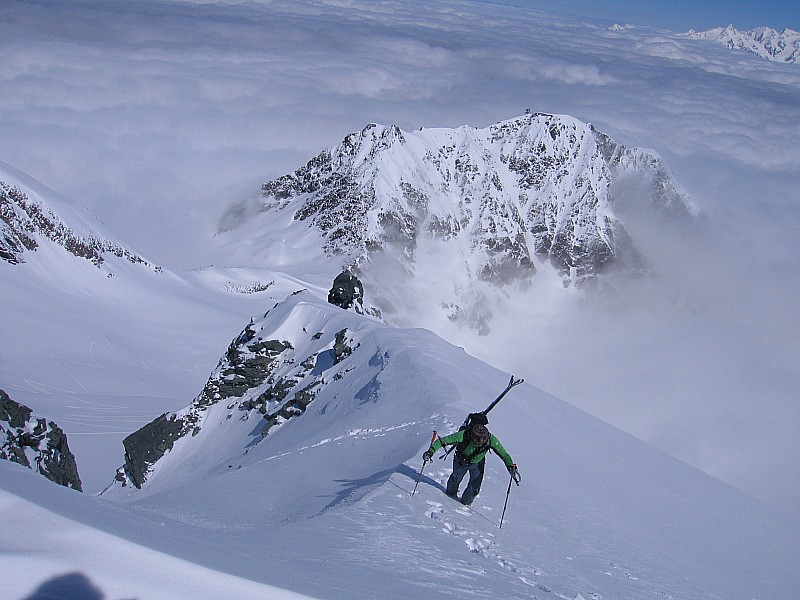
point(158, 115)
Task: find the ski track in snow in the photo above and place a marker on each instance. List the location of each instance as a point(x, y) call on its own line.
point(358, 433)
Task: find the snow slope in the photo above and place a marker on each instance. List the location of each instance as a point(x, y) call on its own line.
point(322, 505)
point(46, 554)
point(599, 513)
point(30, 217)
point(102, 349)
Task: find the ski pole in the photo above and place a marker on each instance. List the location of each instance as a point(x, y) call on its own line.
point(508, 493)
point(424, 462)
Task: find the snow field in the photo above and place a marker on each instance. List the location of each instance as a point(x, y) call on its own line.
point(47, 555)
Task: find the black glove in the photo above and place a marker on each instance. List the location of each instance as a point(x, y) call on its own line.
point(428, 455)
point(512, 469)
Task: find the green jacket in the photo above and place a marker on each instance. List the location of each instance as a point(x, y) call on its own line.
point(458, 437)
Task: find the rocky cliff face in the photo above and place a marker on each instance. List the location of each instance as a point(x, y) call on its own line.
point(36, 443)
point(26, 222)
point(532, 190)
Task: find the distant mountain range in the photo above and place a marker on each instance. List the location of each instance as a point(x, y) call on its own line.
point(768, 43)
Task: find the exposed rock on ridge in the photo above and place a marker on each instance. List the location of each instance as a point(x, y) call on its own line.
point(36, 443)
point(24, 222)
point(347, 292)
point(266, 377)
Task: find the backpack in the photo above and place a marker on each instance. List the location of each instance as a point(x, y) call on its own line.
point(477, 418)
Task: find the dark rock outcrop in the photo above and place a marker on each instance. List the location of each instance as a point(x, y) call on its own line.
point(36, 443)
point(145, 446)
point(347, 292)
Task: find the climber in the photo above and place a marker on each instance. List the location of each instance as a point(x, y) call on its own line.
point(472, 443)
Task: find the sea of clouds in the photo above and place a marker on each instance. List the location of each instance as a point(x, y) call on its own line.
point(158, 115)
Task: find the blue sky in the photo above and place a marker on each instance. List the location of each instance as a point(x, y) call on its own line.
point(680, 15)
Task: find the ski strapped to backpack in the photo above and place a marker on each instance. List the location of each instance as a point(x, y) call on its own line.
point(480, 417)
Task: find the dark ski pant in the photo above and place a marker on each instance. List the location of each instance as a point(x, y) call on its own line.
point(461, 468)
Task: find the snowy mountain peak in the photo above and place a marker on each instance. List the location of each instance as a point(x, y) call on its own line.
point(533, 190)
point(766, 42)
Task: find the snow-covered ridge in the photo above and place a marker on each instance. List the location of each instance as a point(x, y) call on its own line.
point(271, 372)
point(349, 404)
point(532, 190)
point(783, 46)
point(27, 220)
